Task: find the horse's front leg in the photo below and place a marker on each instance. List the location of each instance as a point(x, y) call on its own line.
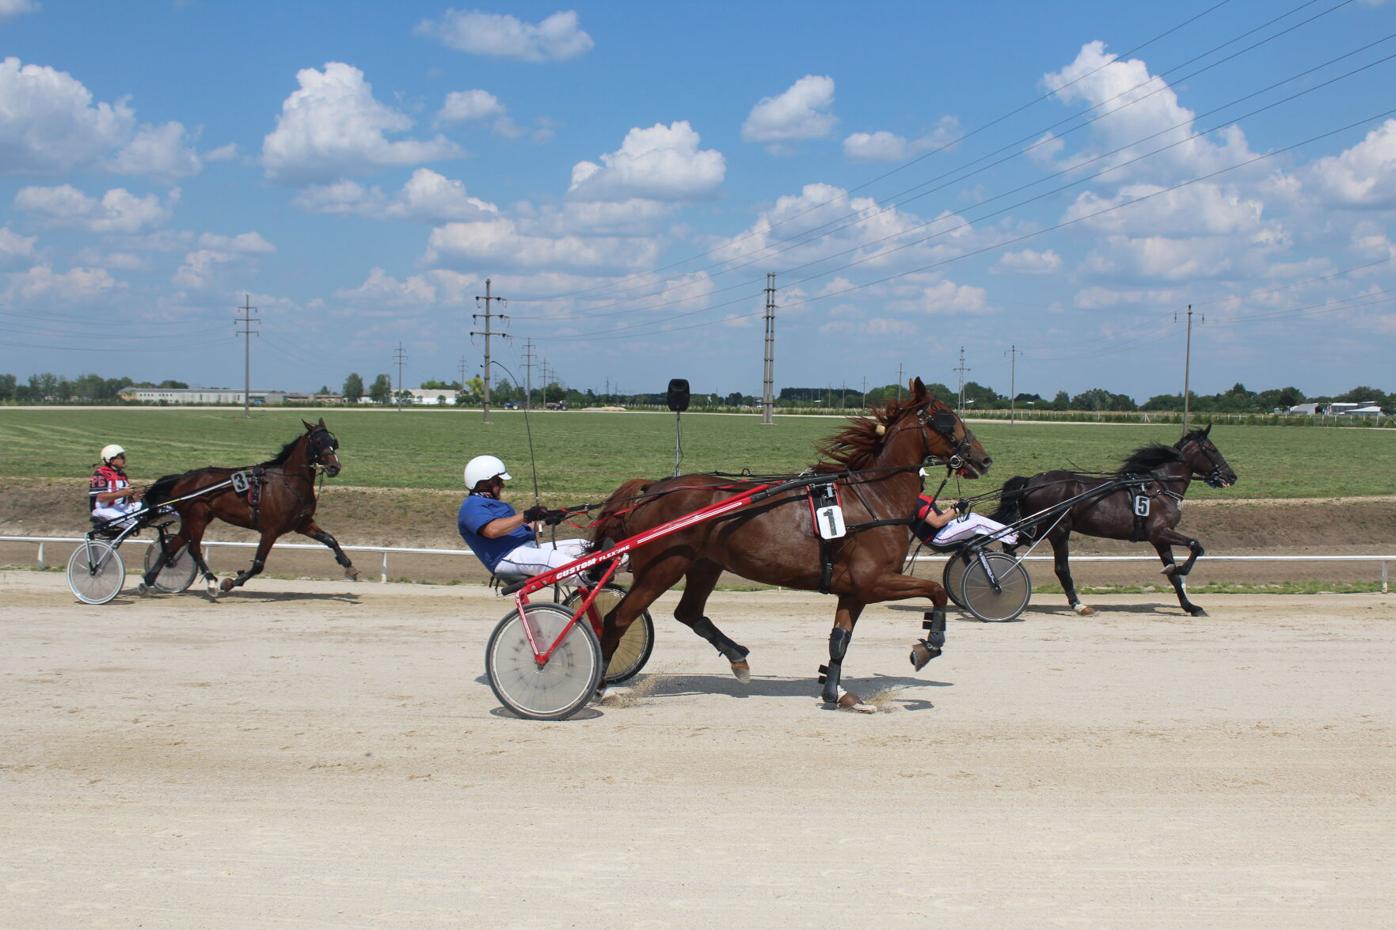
point(845, 618)
point(1061, 555)
point(310, 528)
point(258, 560)
point(1164, 543)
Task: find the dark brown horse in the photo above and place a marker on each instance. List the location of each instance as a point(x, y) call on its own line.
point(873, 463)
point(1145, 509)
point(274, 498)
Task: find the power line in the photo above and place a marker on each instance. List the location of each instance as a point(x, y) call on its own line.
point(488, 316)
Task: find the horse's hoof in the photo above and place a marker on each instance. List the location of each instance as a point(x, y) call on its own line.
point(1083, 610)
point(850, 701)
point(742, 670)
point(226, 584)
point(1197, 611)
point(143, 589)
point(211, 588)
point(352, 574)
point(1168, 569)
point(922, 653)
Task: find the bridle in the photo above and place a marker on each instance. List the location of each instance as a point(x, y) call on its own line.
point(941, 421)
point(321, 441)
point(1215, 478)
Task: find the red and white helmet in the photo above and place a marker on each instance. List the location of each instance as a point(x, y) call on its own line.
point(483, 468)
point(111, 451)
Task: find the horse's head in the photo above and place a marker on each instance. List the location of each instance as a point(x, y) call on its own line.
point(323, 447)
point(947, 437)
point(1205, 459)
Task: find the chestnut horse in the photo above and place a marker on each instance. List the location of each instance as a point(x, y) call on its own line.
point(1163, 474)
point(279, 499)
point(874, 465)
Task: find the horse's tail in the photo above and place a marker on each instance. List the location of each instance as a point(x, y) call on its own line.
point(1010, 500)
point(162, 490)
point(610, 526)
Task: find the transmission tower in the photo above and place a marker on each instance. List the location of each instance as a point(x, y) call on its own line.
point(246, 321)
point(1187, 367)
point(1013, 353)
point(528, 361)
point(768, 368)
point(962, 372)
point(399, 356)
point(488, 316)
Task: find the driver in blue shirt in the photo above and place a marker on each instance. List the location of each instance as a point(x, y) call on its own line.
point(500, 536)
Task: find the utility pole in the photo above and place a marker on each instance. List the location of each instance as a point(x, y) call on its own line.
point(488, 315)
point(864, 395)
point(246, 321)
point(768, 377)
point(1187, 368)
point(462, 378)
point(399, 356)
point(528, 374)
point(962, 371)
point(544, 366)
point(899, 382)
point(1013, 354)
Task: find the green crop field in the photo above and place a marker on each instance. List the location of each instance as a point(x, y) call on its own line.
point(585, 455)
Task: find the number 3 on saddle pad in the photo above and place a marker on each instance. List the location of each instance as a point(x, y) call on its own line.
point(828, 515)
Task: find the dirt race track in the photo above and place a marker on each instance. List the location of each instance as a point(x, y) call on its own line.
point(309, 754)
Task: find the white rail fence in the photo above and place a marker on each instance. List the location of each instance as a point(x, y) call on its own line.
point(1382, 560)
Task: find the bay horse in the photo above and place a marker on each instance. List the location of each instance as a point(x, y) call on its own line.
point(1164, 473)
point(279, 498)
point(873, 464)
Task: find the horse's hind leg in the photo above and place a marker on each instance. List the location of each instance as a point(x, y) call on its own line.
point(1164, 543)
point(845, 618)
point(698, 584)
point(258, 561)
point(1061, 554)
point(652, 578)
point(310, 528)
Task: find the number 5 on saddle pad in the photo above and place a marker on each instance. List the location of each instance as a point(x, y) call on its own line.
point(827, 514)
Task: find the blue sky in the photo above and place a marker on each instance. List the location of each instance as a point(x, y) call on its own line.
point(919, 177)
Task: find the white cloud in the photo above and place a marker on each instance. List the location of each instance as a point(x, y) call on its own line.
point(119, 211)
point(200, 267)
point(227, 152)
point(1029, 261)
point(75, 285)
point(502, 241)
point(383, 290)
point(159, 151)
point(556, 38)
point(427, 196)
point(49, 124)
point(333, 126)
point(659, 163)
point(1195, 210)
point(15, 248)
point(1101, 298)
point(802, 112)
point(1362, 176)
point(948, 297)
point(465, 105)
point(1094, 79)
point(888, 146)
point(12, 8)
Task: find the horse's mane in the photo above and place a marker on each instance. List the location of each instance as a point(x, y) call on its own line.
point(857, 444)
point(285, 452)
point(1147, 458)
point(163, 488)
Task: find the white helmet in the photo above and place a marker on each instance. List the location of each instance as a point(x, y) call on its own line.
point(483, 468)
point(110, 452)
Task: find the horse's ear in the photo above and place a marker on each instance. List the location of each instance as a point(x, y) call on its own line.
point(307, 425)
point(322, 423)
point(1207, 430)
point(918, 389)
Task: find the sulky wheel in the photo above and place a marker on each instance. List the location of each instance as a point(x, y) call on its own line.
point(995, 587)
point(96, 572)
point(175, 577)
point(635, 646)
point(558, 688)
point(950, 578)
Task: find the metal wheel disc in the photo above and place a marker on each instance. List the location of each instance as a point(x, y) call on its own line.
point(950, 578)
point(998, 593)
point(556, 689)
point(96, 572)
point(635, 646)
point(175, 577)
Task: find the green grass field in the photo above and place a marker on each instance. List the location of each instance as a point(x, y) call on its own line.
point(585, 455)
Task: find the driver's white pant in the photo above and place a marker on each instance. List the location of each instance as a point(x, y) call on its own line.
point(971, 524)
point(534, 560)
point(115, 511)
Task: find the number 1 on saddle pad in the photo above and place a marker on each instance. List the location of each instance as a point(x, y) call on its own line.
point(828, 515)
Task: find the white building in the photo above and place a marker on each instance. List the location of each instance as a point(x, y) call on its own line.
point(204, 396)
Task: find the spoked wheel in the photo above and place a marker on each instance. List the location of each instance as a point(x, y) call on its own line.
point(556, 689)
point(635, 646)
point(950, 578)
point(995, 587)
point(96, 572)
point(175, 577)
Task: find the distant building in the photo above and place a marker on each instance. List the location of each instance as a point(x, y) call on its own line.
point(432, 397)
point(1304, 409)
point(1365, 408)
point(202, 396)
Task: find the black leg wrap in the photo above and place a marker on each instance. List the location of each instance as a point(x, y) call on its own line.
point(829, 674)
point(927, 649)
point(734, 652)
